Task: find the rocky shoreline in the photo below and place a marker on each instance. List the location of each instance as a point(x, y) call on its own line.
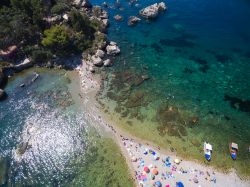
point(100, 54)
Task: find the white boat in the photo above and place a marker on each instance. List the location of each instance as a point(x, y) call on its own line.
point(208, 151)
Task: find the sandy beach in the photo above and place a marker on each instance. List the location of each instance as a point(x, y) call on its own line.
point(149, 164)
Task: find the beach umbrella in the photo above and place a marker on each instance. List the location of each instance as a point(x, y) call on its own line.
point(146, 169)
point(154, 171)
point(158, 184)
point(179, 184)
point(177, 161)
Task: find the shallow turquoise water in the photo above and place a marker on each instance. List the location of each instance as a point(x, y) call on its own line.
point(197, 57)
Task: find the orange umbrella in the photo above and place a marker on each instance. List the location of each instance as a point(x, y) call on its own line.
point(154, 171)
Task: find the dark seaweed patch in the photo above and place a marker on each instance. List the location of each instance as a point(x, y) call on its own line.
point(247, 54)
point(157, 47)
point(236, 50)
point(222, 58)
point(177, 50)
point(237, 103)
point(198, 60)
point(204, 68)
point(180, 41)
point(142, 45)
point(204, 64)
point(188, 71)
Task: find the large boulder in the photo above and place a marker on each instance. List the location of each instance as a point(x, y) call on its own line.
point(132, 20)
point(100, 53)
point(107, 63)
point(152, 11)
point(113, 49)
point(97, 61)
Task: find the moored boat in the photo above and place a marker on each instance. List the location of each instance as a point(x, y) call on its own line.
point(233, 148)
point(208, 151)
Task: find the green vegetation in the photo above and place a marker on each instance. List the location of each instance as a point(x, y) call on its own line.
point(56, 38)
point(104, 166)
point(38, 25)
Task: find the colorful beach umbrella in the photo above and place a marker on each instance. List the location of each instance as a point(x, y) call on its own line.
point(146, 169)
point(154, 171)
point(179, 184)
point(158, 184)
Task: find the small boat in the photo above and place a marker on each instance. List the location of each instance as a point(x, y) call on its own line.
point(36, 75)
point(22, 85)
point(207, 151)
point(233, 148)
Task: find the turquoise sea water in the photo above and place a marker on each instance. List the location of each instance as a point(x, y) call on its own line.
point(196, 55)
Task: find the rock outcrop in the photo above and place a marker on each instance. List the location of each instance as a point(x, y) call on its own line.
point(152, 11)
point(113, 49)
point(23, 65)
point(132, 20)
point(105, 22)
point(97, 61)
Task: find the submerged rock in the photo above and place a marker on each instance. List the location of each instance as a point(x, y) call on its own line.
point(105, 4)
point(152, 11)
point(118, 17)
point(132, 20)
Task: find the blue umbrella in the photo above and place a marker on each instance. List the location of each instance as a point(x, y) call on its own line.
point(179, 184)
point(158, 183)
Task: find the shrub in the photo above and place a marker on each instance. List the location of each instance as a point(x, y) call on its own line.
point(59, 8)
point(56, 38)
